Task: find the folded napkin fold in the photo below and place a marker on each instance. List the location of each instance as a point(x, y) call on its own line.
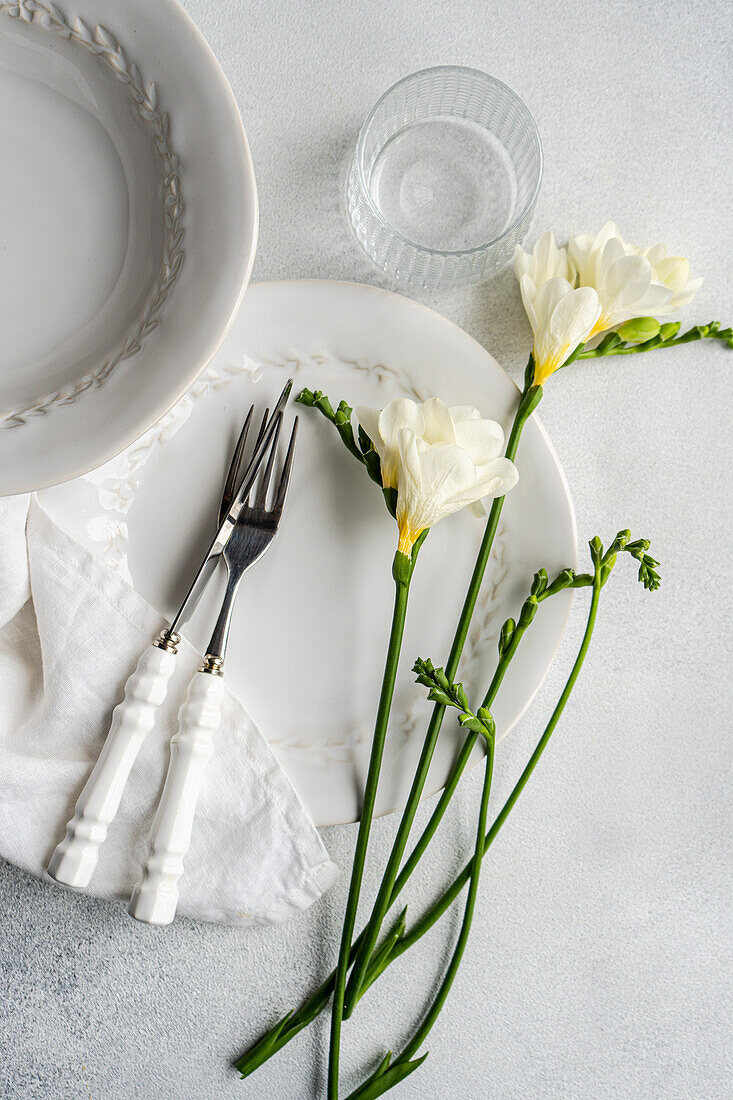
point(71, 632)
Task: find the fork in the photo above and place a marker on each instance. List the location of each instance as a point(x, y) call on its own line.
point(155, 896)
point(76, 856)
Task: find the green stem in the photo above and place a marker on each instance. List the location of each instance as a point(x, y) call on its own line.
point(457, 771)
point(528, 402)
point(445, 986)
point(460, 947)
point(367, 813)
point(290, 1025)
point(447, 899)
point(471, 872)
point(461, 762)
point(699, 332)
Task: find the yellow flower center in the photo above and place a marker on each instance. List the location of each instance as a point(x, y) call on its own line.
point(544, 368)
point(407, 539)
point(600, 326)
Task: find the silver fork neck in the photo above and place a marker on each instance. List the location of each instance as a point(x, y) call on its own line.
point(217, 647)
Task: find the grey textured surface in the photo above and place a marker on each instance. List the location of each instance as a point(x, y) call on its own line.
point(599, 965)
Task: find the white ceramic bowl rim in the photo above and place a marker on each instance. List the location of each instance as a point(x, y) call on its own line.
point(521, 108)
point(217, 171)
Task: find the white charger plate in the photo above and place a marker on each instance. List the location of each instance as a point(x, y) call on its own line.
point(310, 628)
point(128, 224)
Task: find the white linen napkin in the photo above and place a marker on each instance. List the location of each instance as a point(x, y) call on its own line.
point(71, 632)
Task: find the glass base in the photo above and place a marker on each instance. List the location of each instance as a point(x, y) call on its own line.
point(445, 183)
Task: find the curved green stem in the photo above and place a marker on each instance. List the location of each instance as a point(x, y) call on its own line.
point(456, 772)
point(447, 899)
point(461, 761)
point(445, 986)
point(478, 855)
point(712, 331)
point(367, 813)
point(528, 403)
point(290, 1025)
point(471, 872)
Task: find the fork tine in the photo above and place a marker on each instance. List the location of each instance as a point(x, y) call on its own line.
point(263, 425)
point(230, 484)
point(285, 476)
point(261, 498)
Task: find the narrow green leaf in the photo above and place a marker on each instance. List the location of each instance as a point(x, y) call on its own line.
point(461, 697)
point(435, 695)
point(261, 1051)
point(387, 1079)
point(506, 635)
point(469, 721)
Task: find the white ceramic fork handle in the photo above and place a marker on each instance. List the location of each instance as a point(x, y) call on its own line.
point(155, 896)
point(76, 856)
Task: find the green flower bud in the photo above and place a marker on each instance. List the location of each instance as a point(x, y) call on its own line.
point(638, 330)
point(596, 548)
point(669, 330)
point(507, 632)
point(539, 583)
point(528, 612)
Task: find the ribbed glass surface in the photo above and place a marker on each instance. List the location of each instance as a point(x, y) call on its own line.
point(445, 178)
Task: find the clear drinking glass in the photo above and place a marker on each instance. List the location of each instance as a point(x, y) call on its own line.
point(445, 178)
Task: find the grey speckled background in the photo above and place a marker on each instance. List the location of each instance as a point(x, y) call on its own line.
point(600, 962)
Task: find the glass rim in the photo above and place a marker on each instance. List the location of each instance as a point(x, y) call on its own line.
point(523, 109)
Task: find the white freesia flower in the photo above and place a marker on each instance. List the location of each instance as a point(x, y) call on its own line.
point(674, 272)
point(561, 317)
point(630, 281)
point(544, 262)
point(439, 460)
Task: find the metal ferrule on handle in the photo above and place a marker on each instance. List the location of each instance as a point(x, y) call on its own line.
point(155, 896)
point(75, 858)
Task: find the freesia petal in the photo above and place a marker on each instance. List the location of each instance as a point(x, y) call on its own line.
point(446, 470)
point(368, 418)
point(522, 262)
point(674, 271)
point(579, 249)
point(681, 299)
point(400, 413)
point(429, 482)
point(655, 253)
point(544, 262)
point(460, 413)
point(548, 296)
point(627, 279)
point(529, 294)
point(608, 232)
point(498, 477)
point(438, 424)
point(656, 301)
point(407, 443)
point(545, 250)
point(483, 439)
point(574, 317)
point(612, 251)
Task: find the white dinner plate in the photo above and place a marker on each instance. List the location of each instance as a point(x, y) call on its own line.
point(310, 627)
point(128, 223)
